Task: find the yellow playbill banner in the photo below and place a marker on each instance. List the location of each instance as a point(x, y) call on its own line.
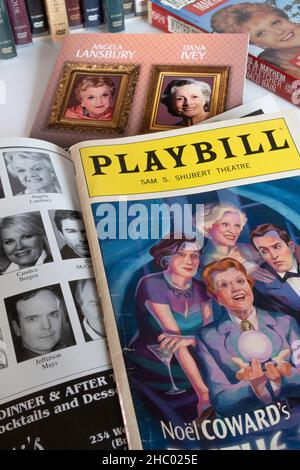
point(191, 159)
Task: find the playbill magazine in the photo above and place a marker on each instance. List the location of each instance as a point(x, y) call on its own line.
point(194, 235)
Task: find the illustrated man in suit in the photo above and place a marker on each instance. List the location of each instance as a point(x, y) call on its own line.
point(71, 227)
point(281, 258)
point(235, 382)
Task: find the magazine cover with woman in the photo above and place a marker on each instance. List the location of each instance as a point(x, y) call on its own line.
point(198, 270)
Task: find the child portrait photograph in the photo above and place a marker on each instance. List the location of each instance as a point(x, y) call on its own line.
point(93, 97)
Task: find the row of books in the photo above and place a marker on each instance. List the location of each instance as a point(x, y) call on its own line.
point(20, 20)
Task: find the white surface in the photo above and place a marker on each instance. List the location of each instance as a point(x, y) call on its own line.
point(25, 79)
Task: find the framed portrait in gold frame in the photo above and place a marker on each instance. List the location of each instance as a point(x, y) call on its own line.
point(181, 96)
point(94, 98)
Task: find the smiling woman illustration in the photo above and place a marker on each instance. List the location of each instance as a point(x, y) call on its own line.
point(189, 99)
point(24, 241)
point(34, 171)
point(95, 95)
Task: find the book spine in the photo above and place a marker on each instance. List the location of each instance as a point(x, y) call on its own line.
point(91, 12)
point(37, 17)
point(19, 21)
point(114, 15)
point(258, 71)
point(7, 44)
point(57, 19)
point(140, 7)
point(128, 8)
point(74, 13)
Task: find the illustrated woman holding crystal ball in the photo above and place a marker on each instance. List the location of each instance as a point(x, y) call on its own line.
point(247, 353)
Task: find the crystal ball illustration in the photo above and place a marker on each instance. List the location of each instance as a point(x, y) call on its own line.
point(255, 345)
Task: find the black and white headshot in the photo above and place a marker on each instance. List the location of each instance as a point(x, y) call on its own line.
point(30, 173)
point(71, 234)
point(23, 242)
point(39, 323)
point(88, 307)
point(3, 356)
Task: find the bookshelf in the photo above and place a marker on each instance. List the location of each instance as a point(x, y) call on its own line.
point(25, 78)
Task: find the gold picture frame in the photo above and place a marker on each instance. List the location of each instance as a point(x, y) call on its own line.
point(156, 116)
point(123, 77)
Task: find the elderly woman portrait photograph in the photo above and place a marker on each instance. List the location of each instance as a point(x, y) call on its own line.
point(188, 99)
point(23, 242)
point(88, 307)
point(30, 173)
point(92, 98)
